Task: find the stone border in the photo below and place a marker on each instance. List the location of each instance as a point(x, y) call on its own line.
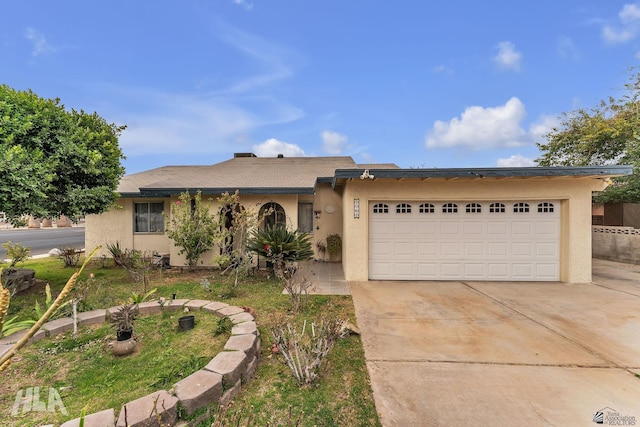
point(219, 381)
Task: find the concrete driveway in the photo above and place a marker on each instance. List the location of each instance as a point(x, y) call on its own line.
point(504, 353)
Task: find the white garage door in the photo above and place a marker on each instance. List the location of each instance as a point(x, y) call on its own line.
point(483, 240)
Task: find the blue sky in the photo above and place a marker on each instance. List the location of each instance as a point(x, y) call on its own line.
point(417, 83)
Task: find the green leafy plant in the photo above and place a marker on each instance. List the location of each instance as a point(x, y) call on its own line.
point(223, 326)
point(5, 299)
point(17, 253)
point(140, 298)
point(125, 258)
point(281, 245)
point(334, 247)
point(191, 227)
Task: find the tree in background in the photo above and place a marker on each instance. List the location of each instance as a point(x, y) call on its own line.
point(607, 134)
point(55, 162)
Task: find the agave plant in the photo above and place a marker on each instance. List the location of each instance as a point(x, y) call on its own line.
point(280, 243)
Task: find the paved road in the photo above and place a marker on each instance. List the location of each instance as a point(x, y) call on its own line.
point(42, 240)
point(504, 353)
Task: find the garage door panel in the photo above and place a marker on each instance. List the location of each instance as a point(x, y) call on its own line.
point(450, 228)
point(519, 249)
point(498, 270)
point(474, 270)
point(522, 271)
point(426, 249)
point(474, 249)
point(465, 245)
point(475, 228)
point(404, 270)
point(403, 228)
point(498, 228)
point(427, 270)
point(451, 270)
point(546, 249)
point(521, 228)
point(451, 249)
point(497, 249)
point(404, 250)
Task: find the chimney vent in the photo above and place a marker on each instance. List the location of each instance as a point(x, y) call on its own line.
point(281, 156)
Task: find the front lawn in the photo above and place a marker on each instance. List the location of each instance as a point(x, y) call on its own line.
point(341, 397)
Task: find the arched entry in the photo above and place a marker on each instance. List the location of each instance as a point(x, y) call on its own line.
point(272, 215)
point(228, 215)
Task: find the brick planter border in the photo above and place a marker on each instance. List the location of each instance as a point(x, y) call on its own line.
point(218, 382)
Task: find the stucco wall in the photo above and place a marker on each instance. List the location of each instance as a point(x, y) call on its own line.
point(574, 194)
point(620, 244)
point(116, 225)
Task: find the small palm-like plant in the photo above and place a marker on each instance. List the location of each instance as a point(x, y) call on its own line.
point(281, 244)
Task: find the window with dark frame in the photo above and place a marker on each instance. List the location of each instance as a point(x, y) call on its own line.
point(403, 208)
point(148, 217)
point(305, 217)
point(449, 208)
point(427, 208)
point(545, 207)
point(497, 208)
point(521, 207)
point(380, 208)
point(473, 208)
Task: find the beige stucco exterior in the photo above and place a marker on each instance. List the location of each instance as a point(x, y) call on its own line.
point(116, 225)
point(574, 194)
point(334, 213)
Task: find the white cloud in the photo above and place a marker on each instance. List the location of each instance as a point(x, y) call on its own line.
point(166, 123)
point(508, 58)
point(333, 142)
point(442, 69)
point(480, 128)
point(39, 42)
point(246, 5)
point(567, 49)
point(272, 147)
point(628, 27)
point(515, 161)
point(542, 126)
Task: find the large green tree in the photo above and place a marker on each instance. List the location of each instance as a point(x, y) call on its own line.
point(55, 162)
point(607, 134)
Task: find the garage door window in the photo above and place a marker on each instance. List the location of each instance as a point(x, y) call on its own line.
point(545, 207)
point(521, 207)
point(403, 208)
point(473, 208)
point(379, 208)
point(427, 208)
point(449, 208)
point(496, 208)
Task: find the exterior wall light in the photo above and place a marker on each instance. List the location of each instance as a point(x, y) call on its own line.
point(317, 214)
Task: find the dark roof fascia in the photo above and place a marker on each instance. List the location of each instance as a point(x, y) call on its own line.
point(165, 192)
point(569, 171)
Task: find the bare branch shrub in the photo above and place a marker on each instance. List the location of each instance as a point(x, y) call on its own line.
point(295, 279)
point(305, 350)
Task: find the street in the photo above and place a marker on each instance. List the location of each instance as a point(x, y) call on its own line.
point(42, 240)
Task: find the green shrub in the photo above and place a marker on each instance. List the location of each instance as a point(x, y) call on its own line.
point(281, 244)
